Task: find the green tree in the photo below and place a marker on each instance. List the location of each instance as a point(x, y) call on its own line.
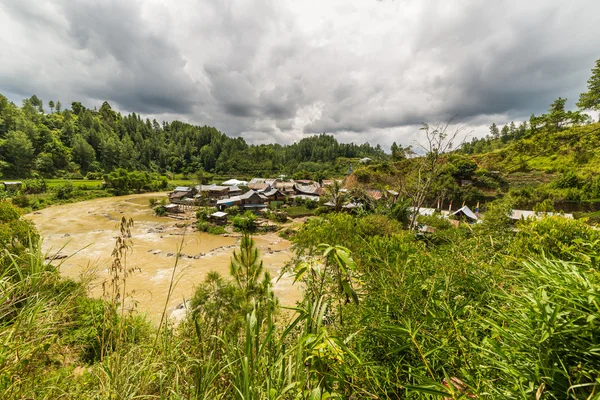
point(590, 100)
point(58, 106)
point(77, 107)
point(51, 105)
point(494, 131)
point(83, 153)
point(335, 194)
point(246, 266)
point(18, 154)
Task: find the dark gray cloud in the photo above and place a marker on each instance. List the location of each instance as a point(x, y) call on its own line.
point(277, 70)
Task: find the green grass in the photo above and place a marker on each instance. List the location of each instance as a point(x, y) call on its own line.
point(299, 211)
point(78, 183)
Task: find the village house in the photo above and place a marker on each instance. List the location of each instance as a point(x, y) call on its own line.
point(14, 186)
point(173, 208)
point(517, 215)
point(218, 218)
point(257, 184)
point(252, 200)
point(273, 194)
point(180, 193)
point(307, 189)
point(234, 191)
point(212, 193)
point(286, 188)
point(234, 182)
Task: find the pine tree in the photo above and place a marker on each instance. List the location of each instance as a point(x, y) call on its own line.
point(246, 266)
point(494, 131)
point(590, 100)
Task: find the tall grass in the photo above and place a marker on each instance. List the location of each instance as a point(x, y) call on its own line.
point(386, 317)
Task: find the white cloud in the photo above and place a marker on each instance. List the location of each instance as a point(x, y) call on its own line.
point(276, 70)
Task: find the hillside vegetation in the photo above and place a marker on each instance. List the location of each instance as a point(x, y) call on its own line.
point(80, 142)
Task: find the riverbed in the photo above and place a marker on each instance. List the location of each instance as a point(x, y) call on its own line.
point(85, 232)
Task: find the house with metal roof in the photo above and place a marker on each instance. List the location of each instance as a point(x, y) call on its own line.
point(516, 215)
point(234, 182)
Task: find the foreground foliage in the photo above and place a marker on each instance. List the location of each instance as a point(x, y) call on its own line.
point(470, 312)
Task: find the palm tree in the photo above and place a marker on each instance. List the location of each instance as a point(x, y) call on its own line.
point(335, 194)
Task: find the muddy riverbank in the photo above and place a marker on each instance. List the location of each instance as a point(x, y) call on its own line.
point(86, 233)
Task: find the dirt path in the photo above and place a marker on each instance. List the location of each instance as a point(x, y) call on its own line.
point(86, 231)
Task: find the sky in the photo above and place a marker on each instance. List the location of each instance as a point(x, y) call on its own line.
point(279, 70)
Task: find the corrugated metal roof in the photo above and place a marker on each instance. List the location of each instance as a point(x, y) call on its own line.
point(467, 212)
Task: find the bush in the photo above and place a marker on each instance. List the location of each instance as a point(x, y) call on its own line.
point(202, 226)
point(65, 191)
point(92, 176)
point(216, 230)
point(434, 221)
point(374, 225)
point(35, 186)
point(233, 211)
point(160, 211)
point(556, 236)
point(245, 222)
point(21, 201)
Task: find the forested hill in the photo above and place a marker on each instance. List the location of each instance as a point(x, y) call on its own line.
point(553, 157)
point(52, 141)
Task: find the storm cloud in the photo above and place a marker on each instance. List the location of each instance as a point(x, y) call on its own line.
point(277, 70)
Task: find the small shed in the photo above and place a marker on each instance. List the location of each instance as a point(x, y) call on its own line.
point(219, 217)
point(173, 208)
point(13, 186)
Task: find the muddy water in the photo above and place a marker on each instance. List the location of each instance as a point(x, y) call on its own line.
point(86, 232)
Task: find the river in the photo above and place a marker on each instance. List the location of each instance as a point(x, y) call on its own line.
point(86, 233)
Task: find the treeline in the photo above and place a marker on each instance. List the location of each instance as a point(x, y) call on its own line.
point(79, 141)
point(557, 119)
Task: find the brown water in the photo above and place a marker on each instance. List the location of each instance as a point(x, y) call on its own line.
point(86, 232)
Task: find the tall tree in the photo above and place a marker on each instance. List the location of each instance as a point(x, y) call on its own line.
point(590, 100)
point(51, 105)
point(83, 153)
point(417, 182)
point(246, 266)
point(18, 154)
point(494, 131)
point(58, 106)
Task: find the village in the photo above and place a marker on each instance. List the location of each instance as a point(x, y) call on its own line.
point(274, 196)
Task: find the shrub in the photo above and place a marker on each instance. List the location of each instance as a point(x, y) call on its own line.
point(160, 211)
point(556, 236)
point(65, 191)
point(35, 186)
point(216, 230)
point(21, 201)
point(202, 226)
point(375, 225)
point(245, 222)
